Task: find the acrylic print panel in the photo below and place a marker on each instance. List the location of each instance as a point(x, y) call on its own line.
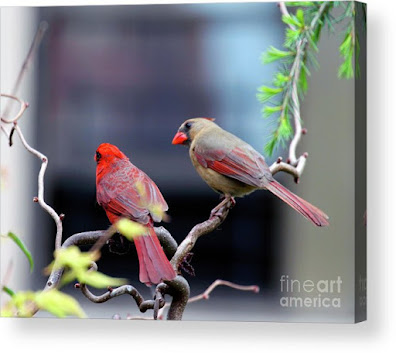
point(287, 80)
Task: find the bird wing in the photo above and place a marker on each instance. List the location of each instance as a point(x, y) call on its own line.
point(237, 160)
point(129, 192)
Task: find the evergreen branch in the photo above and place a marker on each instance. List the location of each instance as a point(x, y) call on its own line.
point(349, 48)
point(302, 35)
point(299, 39)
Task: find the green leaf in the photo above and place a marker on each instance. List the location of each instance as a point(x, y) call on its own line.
point(346, 44)
point(291, 20)
point(300, 3)
point(270, 146)
point(73, 258)
point(303, 83)
point(283, 132)
point(346, 51)
point(266, 93)
point(300, 17)
point(291, 37)
point(99, 280)
point(268, 110)
point(8, 290)
point(130, 229)
point(77, 266)
point(23, 247)
point(20, 305)
point(280, 79)
point(58, 304)
point(311, 40)
point(274, 54)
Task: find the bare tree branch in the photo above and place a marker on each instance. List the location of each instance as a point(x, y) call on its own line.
point(40, 197)
point(78, 239)
point(179, 289)
point(206, 293)
point(29, 58)
point(98, 239)
point(168, 243)
point(220, 282)
point(22, 107)
point(7, 275)
point(157, 303)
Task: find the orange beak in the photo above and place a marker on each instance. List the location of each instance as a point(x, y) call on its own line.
point(179, 138)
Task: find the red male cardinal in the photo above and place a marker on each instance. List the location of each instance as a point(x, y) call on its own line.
point(123, 190)
point(233, 168)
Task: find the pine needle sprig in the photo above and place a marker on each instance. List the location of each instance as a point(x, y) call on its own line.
point(299, 56)
point(301, 38)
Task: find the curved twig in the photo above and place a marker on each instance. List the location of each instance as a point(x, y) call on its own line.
point(28, 59)
point(22, 107)
point(220, 282)
point(40, 197)
point(84, 238)
point(179, 289)
point(113, 293)
point(205, 295)
point(142, 304)
point(168, 243)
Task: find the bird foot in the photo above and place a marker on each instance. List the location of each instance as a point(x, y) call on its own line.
point(185, 265)
point(216, 212)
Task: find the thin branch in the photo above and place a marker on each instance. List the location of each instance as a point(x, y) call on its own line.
point(142, 304)
point(5, 132)
point(22, 107)
point(78, 239)
point(29, 58)
point(7, 275)
point(209, 290)
point(285, 12)
point(98, 239)
point(220, 282)
point(295, 166)
point(113, 293)
point(40, 197)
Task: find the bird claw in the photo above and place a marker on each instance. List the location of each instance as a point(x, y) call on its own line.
point(185, 265)
point(216, 212)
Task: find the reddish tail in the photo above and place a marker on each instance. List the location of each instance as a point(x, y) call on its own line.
point(310, 212)
point(153, 263)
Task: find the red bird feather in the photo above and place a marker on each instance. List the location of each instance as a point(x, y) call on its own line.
point(123, 190)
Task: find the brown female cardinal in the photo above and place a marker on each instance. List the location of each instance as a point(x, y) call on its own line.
point(233, 168)
point(123, 190)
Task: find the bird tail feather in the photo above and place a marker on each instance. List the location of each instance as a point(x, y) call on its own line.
point(310, 212)
point(154, 266)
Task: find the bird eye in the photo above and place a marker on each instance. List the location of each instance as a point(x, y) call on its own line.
point(188, 125)
point(98, 156)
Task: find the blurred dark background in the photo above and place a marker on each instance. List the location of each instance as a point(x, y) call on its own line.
point(130, 75)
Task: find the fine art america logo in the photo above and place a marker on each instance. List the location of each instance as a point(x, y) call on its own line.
point(324, 293)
